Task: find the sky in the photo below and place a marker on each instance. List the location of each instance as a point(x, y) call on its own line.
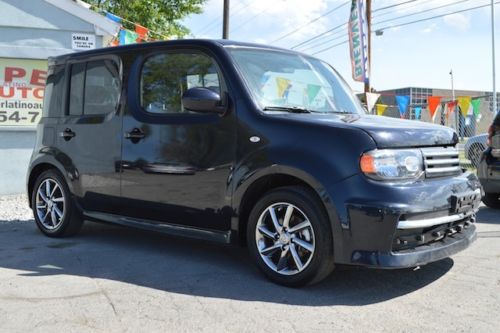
point(417, 55)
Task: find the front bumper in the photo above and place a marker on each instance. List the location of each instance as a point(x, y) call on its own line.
point(398, 226)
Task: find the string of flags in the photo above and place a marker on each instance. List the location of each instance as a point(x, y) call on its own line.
point(466, 104)
point(126, 36)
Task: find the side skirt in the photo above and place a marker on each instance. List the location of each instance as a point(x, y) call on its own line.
point(166, 228)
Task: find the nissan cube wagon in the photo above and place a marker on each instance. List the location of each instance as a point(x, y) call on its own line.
point(248, 144)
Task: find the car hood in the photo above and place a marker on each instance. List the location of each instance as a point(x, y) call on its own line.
point(390, 132)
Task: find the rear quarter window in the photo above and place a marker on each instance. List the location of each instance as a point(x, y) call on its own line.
point(52, 102)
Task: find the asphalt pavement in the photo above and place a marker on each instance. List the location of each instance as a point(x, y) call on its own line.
point(115, 279)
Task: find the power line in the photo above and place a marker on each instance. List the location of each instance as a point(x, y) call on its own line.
point(319, 35)
point(420, 3)
point(312, 21)
point(392, 6)
point(422, 11)
point(414, 22)
point(435, 17)
point(216, 22)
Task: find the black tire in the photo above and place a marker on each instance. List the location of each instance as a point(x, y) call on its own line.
point(492, 200)
point(320, 261)
point(71, 220)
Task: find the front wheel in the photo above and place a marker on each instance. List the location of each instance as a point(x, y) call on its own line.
point(290, 238)
point(492, 200)
point(55, 213)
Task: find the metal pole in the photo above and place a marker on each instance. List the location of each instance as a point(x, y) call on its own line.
point(494, 108)
point(455, 110)
point(225, 22)
point(369, 35)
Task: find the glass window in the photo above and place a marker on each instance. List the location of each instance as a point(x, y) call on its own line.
point(165, 77)
point(76, 89)
point(291, 80)
point(102, 87)
point(52, 104)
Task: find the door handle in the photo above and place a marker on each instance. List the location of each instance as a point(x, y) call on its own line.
point(135, 135)
point(67, 134)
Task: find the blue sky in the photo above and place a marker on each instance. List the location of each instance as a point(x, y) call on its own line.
point(420, 54)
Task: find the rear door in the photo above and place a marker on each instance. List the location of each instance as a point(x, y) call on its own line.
point(176, 164)
point(89, 135)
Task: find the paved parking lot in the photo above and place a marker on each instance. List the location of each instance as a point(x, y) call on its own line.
point(114, 279)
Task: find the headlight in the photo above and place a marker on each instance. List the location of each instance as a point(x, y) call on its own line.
point(392, 164)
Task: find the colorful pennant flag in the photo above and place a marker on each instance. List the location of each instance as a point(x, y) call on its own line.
point(113, 17)
point(418, 111)
point(371, 99)
point(403, 102)
point(142, 32)
point(476, 103)
point(312, 92)
point(283, 87)
point(433, 103)
point(127, 37)
point(451, 106)
point(464, 104)
point(380, 108)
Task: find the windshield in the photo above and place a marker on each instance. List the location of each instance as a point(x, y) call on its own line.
point(280, 80)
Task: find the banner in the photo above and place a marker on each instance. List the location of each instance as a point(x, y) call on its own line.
point(433, 103)
point(418, 111)
point(127, 37)
point(403, 102)
point(380, 108)
point(371, 99)
point(22, 84)
point(142, 32)
point(464, 104)
point(476, 103)
point(113, 17)
point(358, 41)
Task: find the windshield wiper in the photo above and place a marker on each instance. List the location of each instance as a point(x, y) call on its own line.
point(292, 109)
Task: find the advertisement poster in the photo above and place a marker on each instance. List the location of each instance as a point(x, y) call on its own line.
point(22, 84)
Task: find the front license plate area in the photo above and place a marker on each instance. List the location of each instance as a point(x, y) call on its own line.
point(464, 203)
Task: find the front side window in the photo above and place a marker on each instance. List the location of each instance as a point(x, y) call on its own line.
point(94, 88)
point(165, 77)
point(291, 80)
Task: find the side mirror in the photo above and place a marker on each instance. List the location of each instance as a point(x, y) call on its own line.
point(202, 100)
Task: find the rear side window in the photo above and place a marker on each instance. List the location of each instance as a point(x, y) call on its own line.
point(52, 103)
point(94, 88)
point(165, 77)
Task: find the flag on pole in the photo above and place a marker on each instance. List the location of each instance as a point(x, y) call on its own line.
point(358, 41)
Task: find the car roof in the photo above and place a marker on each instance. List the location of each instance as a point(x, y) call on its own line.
point(176, 42)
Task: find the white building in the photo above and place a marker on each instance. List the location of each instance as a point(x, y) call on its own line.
point(30, 32)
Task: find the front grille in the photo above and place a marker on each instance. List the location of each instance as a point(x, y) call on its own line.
point(441, 161)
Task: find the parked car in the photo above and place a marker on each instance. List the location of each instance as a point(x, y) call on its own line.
point(489, 167)
point(249, 144)
point(474, 148)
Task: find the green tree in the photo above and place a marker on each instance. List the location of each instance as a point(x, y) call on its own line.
point(161, 16)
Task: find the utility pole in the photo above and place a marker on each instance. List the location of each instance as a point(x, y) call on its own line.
point(369, 38)
point(494, 108)
point(225, 22)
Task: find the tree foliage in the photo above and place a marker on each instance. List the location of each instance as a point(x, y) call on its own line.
point(161, 16)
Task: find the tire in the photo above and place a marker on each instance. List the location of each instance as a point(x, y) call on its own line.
point(279, 254)
point(53, 208)
point(492, 200)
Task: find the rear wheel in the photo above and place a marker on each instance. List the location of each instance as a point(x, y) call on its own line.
point(492, 200)
point(53, 208)
point(290, 238)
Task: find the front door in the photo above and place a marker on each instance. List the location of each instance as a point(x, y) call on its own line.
point(176, 164)
point(89, 135)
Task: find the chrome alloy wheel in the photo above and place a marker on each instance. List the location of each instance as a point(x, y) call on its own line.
point(285, 238)
point(50, 204)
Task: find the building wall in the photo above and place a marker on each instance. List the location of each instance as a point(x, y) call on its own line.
point(36, 29)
